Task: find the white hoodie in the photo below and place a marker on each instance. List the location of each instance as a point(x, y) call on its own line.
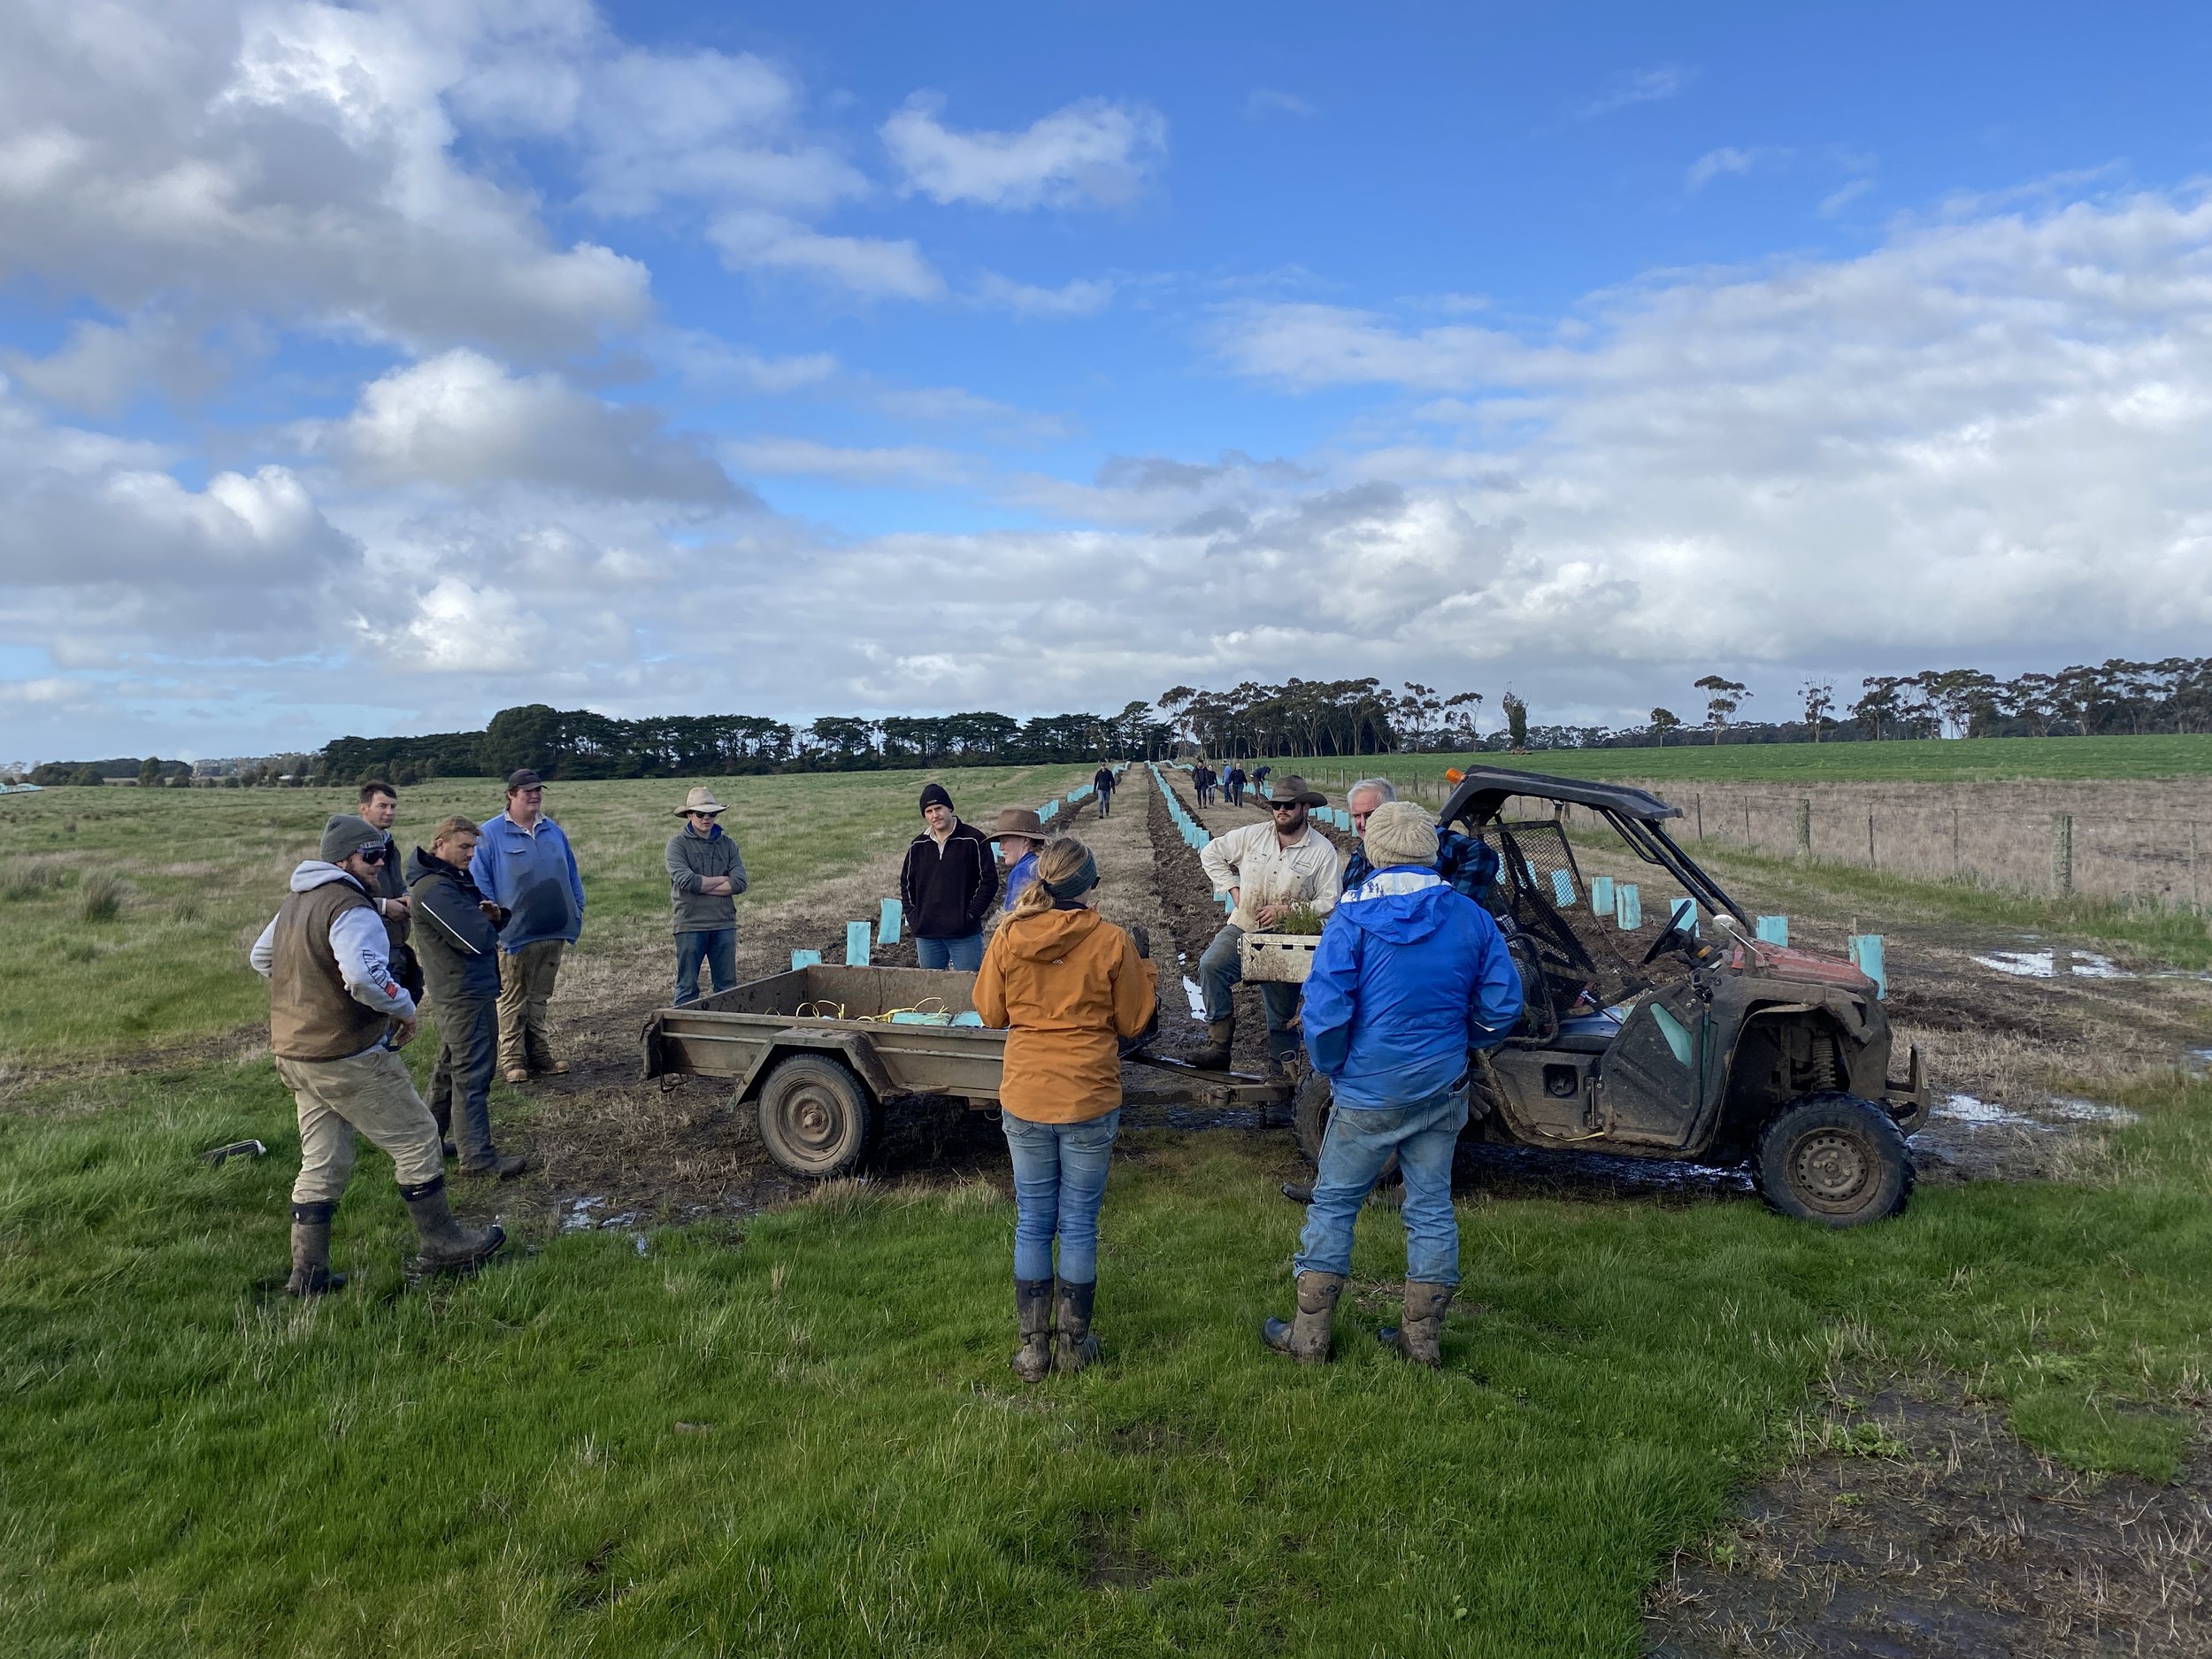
point(358, 944)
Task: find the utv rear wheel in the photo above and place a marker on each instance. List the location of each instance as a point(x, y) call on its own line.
point(1309, 1121)
point(1834, 1159)
point(816, 1118)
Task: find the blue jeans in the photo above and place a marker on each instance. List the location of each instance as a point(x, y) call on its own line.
point(1059, 1183)
point(966, 954)
point(1220, 970)
point(717, 948)
point(1359, 1142)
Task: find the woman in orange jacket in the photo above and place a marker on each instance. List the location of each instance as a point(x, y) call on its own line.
point(1068, 985)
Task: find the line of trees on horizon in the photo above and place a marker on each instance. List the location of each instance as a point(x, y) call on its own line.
point(1331, 719)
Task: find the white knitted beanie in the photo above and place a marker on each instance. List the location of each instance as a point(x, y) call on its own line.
point(1400, 832)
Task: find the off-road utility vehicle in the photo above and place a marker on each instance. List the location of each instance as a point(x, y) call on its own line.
point(1698, 1042)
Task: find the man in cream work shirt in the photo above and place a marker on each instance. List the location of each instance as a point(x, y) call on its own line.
point(1268, 869)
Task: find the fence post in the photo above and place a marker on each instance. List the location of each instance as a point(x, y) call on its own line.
point(1955, 843)
point(1805, 831)
point(2194, 907)
point(1698, 801)
point(1747, 824)
point(2063, 853)
point(1871, 864)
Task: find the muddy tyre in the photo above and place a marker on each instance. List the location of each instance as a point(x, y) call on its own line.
point(816, 1117)
point(1310, 1122)
point(1834, 1159)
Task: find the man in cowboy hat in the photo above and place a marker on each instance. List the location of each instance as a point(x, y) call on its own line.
point(1267, 869)
point(1019, 836)
point(705, 875)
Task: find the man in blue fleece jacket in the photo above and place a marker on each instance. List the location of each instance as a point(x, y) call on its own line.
point(524, 865)
point(1410, 978)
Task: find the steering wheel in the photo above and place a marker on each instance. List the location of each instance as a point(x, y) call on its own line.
point(1676, 937)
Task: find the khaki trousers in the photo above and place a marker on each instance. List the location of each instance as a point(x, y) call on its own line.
point(526, 986)
point(369, 1093)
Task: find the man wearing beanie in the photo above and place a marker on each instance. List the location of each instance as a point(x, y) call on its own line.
point(946, 885)
point(337, 1019)
point(1409, 979)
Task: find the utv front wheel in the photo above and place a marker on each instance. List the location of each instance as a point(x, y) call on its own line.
point(1834, 1159)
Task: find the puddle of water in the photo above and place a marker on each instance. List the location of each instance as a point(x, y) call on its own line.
point(2199, 1061)
point(1197, 999)
point(579, 1215)
point(2048, 965)
point(1968, 1109)
point(2092, 1111)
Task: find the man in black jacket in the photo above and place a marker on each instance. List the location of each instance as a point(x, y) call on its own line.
point(456, 941)
point(946, 885)
point(1103, 782)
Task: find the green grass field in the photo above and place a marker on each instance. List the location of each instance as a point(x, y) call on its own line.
point(799, 1436)
point(201, 871)
point(1965, 760)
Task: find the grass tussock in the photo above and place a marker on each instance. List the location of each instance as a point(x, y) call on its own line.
point(99, 898)
point(33, 879)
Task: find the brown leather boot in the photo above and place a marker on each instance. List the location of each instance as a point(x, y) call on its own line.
point(1306, 1338)
point(1420, 1339)
point(1032, 1308)
point(1215, 1056)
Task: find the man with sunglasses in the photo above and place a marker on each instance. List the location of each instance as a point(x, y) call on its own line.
point(337, 1019)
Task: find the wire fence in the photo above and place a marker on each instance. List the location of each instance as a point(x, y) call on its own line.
point(2145, 842)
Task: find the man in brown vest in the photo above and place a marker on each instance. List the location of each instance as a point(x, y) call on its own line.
point(337, 1019)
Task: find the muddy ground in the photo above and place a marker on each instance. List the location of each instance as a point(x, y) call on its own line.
point(1926, 1528)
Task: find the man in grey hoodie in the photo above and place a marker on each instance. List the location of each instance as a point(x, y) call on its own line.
point(337, 1019)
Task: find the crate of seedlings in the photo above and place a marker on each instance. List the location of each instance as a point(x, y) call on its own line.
point(1284, 954)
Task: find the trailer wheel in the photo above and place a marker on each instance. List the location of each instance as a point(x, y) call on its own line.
point(816, 1117)
point(1834, 1159)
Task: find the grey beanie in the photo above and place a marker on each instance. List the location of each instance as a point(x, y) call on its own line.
point(346, 835)
point(1399, 832)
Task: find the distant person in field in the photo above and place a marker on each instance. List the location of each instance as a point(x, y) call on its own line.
point(1068, 988)
point(1467, 864)
point(705, 875)
point(337, 1019)
point(379, 808)
point(946, 885)
point(1019, 836)
point(456, 934)
point(524, 865)
point(1234, 781)
point(1410, 980)
point(1268, 869)
point(1103, 782)
point(1202, 782)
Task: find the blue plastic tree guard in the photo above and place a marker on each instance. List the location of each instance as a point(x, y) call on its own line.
point(1774, 930)
point(888, 923)
point(1628, 908)
point(856, 944)
point(805, 959)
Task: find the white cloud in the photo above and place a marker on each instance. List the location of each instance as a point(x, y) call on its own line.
point(458, 627)
point(1716, 163)
point(1304, 344)
point(299, 168)
point(462, 421)
point(870, 266)
point(1080, 297)
point(101, 366)
point(1836, 200)
point(1262, 102)
point(702, 124)
point(1643, 86)
point(1091, 153)
point(911, 464)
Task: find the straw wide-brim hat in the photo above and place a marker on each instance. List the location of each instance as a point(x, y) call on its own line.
point(1019, 821)
point(700, 800)
point(1295, 792)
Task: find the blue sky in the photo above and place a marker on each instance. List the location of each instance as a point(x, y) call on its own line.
point(374, 368)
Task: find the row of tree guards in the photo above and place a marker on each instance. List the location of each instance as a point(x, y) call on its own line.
point(861, 938)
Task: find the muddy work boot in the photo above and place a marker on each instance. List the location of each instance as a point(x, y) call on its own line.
point(1215, 1056)
point(1306, 1338)
point(501, 1165)
point(310, 1252)
point(447, 1247)
point(1074, 1347)
point(1420, 1339)
point(1032, 1308)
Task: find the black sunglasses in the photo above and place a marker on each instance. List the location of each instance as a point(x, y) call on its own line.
point(377, 854)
